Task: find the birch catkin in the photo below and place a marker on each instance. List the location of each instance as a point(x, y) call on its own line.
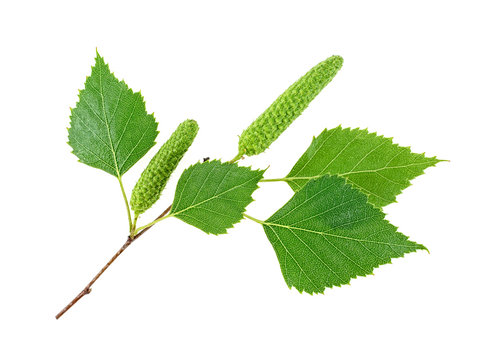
point(269, 126)
point(154, 178)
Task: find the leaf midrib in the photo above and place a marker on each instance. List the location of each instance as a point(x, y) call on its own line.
point(295, 178)
point(336, 236)
point(176, 212)
point(111, 145)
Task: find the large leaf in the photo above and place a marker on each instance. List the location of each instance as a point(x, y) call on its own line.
point(110, 128)
point(213, 195)
point(374, 164)
point(328, 234)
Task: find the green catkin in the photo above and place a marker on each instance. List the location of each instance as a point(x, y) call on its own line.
point(269, 126)
point(154, 178)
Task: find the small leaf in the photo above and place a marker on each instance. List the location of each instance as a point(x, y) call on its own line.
point(110, 128)
point(213, 195)
point(328, 234)
point(374, 164)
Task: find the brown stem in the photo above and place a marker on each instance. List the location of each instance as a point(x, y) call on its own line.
point(88, 289)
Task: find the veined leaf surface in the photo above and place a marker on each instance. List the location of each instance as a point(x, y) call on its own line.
point(213, 195)
point(110, 128)
point(328, 233)
point(374, 164)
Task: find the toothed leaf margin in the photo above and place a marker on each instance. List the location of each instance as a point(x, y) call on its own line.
point(374, 164)
point(110, 128)
point(213, 195)
point(328, 234)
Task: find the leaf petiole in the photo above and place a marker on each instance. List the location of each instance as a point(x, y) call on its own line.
point(133, 227)
point(127, 205)
point(141, 228)
point(291, 178)
point(254, 219)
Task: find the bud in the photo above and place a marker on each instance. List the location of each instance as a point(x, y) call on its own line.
point(272, 123)
point(154, 178)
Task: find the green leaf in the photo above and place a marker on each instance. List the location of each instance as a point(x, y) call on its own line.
point(213, 195)
point(328, 234)
point(110, 128)
point(374, 164)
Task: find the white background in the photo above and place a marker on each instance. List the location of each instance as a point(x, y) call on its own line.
point(413, 71)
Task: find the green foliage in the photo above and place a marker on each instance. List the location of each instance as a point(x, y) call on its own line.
point(374, 164)
point(328, 234)
point(110, 128)
point(272, 123)
point(154, 178)
point(213, 195)
point(332, 229)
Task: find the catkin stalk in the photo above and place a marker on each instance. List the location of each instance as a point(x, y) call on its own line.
point(269, 126)
point(154, 178)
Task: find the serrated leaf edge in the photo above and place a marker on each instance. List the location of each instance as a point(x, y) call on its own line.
point(130, 91)
point(414, 249)
point(244, 208)
point(374, 135)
